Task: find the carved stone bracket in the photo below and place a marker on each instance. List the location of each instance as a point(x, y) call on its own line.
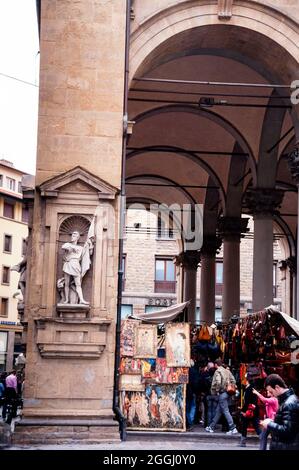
point(293, 161)
point(211, 246)
point(232, 227)
point(188, 259)
point(225, 9)
point(263, 201)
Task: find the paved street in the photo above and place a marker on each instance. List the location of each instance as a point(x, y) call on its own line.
point(142, 445)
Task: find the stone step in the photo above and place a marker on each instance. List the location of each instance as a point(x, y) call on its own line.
point(198, 435)
point(46, 432)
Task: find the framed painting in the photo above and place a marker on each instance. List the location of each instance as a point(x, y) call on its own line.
point(145, 341)
point(127, 337)
point(159, 407)
point(129, 365)
point(171, 375)
point(131, 382)
point(178, 345)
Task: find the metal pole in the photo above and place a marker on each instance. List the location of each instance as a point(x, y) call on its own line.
point(201, 82)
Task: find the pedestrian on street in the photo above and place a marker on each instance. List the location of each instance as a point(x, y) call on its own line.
point(271, 404)
point(249, 411)
point(221, 379)
point(284, 428)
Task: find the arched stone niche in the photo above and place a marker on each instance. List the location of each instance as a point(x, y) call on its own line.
point(86, 242)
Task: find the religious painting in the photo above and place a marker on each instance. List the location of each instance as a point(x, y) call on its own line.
point(148, 369)
point(129, 365)
point(160, 407)
point(146, 341)
point(178, 345)
point(171, 375)
point(131, 382)
point(127, 337)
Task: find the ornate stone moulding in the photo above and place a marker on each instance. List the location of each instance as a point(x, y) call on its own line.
point(82, 179)
point(71, 350)
point(73, 312)
point(77, 338)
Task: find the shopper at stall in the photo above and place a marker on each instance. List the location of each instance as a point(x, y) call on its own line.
point(271, 405)
point(284, 428)
point(210, 401)
point(192, 392)
point(249, 411)
point(221, 379)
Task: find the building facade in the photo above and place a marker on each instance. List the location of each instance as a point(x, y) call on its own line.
point(162, 101)
point(13, 235)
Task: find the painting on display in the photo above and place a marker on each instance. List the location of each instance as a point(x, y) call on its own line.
point(131, 382)
point(148, 369)
point(127, 337)
point(178, 345)
point(145, 341)
point(171, 375)
point(129, 365)
point(159, 407)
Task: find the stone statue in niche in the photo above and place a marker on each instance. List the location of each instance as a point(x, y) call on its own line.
point(76, 263)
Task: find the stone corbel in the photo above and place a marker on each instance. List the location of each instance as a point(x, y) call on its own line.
point(225, 9)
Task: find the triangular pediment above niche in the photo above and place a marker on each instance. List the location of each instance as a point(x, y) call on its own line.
point(78, 180)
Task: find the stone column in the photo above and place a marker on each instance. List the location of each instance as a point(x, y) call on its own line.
point(294, 168)
point(211, 246)
point(262, 203)
point(189, 261)
point(10, 350)
point(230, 230)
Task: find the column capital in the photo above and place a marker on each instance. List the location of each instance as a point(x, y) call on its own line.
point(211, 245)
point(188, 259)
point(293, 161)
point(263, 201)
point(232, 228)
point(291, 264)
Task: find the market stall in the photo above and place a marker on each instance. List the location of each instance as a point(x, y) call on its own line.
point(261, 343)
point(154, 370)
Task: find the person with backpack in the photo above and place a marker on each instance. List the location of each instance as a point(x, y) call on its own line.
point(222, 379)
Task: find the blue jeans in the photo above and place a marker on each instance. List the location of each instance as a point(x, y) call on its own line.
point(222, 409)
point(212, 402)
point(263, 439)
point(191, 409)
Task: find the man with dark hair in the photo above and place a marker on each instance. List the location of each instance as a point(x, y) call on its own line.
point(284, 428)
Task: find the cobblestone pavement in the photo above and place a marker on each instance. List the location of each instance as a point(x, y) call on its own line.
point(138, 445)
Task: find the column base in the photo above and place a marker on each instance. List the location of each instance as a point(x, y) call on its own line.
point(33, 431)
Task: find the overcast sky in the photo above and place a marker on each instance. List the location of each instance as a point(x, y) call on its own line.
point(19, 58)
